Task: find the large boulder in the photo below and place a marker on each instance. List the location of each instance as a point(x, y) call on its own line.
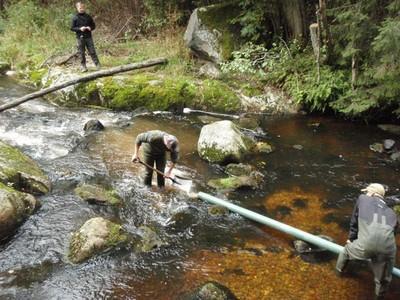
point(21, 172)
point(222, 142)
point(95, 194)
point(210, 33)
point(93, 125)
point(95, 236)
point(15, 207)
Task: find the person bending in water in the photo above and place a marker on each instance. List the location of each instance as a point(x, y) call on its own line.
point(371, 236)
point(156, 144)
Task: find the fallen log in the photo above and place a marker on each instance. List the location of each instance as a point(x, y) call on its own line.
point(89, 77)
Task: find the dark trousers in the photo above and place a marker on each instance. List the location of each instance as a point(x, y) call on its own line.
point(87, 43)
point(381, 264)
point(160, 162)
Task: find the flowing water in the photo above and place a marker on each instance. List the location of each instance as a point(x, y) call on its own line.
point(312, 188)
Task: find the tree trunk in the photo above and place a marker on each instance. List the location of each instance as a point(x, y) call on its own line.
point(354, 71)
point(294, 14)
point(325, 31)
point(92, 76)
point(315, 41)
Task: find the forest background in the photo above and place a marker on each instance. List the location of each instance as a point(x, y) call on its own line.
point(351, 70)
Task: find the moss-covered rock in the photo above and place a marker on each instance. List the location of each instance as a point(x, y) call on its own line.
point(236, 183)
point(217, 210)
point(97, 235)
point(222, 142)
point(21, 171)
point(95, 194)
point(15, 207)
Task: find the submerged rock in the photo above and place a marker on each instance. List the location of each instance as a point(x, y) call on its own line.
point(298, 147)
point(395, 156)
point(212, 291)
point(249, 123)
point(95, 194)
point(21, 171)
point(222, 142)
point(182, 218)
point(311, 253)
point(217, 210)
point(395, 129)
point(149, 240)
point(376, 147)
point(263, 147)
point(239, 169)
point(95, 236)
point(93, 125)
point(388, 144)
point(15, 207)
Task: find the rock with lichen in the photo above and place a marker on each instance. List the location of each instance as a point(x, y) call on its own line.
point(210, 34)
point(96, 194)
point(15, 207)
point(97, 235)
point(21, 172)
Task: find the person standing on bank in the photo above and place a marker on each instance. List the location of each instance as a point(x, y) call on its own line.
point(156, 144)
point(83, 25)
point(372, 237)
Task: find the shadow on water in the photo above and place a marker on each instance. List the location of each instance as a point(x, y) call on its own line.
point(312, 188)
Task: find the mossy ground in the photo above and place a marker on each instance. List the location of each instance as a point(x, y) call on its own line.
point(160, 91)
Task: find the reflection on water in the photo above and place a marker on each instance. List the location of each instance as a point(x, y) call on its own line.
point(313, 189)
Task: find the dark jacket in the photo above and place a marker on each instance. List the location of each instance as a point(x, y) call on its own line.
point(153, 144)
point(80, 20)
point(373, 223)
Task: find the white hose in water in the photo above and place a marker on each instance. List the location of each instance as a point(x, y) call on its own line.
point(188, 111)
point(300, 234)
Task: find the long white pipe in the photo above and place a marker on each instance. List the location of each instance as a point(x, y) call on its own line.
point(300, 234)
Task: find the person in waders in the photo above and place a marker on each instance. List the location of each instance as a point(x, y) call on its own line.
point(372, 237)
point(83, 25)
point(156, 144)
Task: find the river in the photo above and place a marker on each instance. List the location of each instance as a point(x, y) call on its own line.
point(312, 187)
